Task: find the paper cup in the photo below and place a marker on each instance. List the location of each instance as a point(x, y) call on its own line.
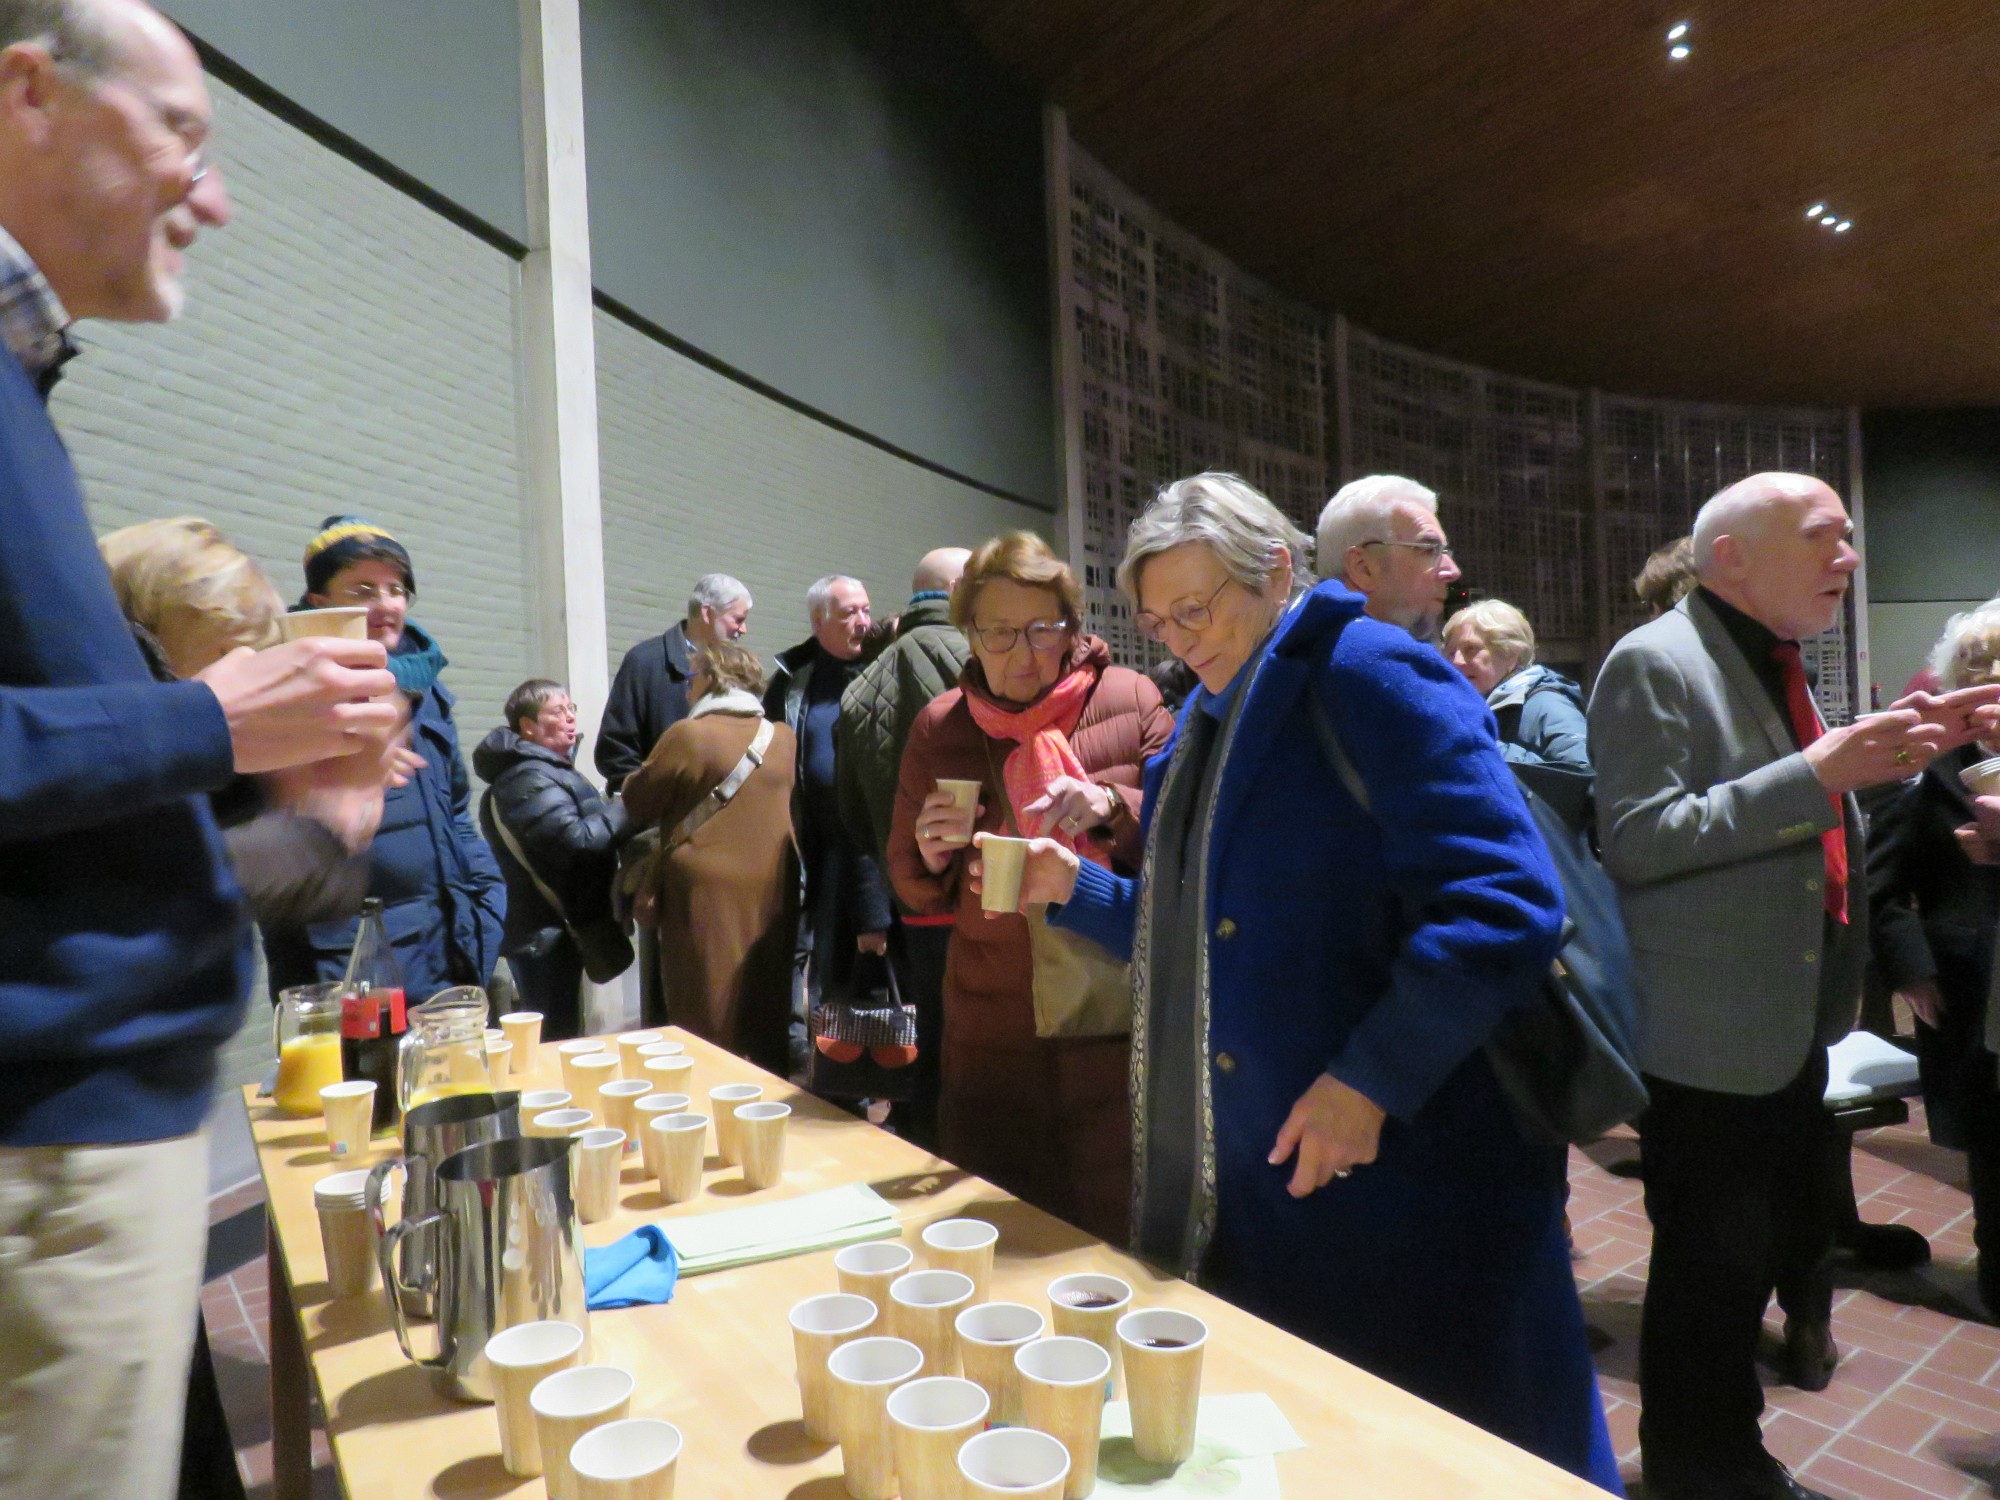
point(662, 1049)
point(648, 1108)
point(586, 1073)
point(499, 1060)
point(556, 1122)
point(680, 1140)
point(566, 1055)
point(989, 1335)
point(760, 1141)
point(541, 1101)
point(1162, 1348)
point(863, 1373)
point(1982, 778)
point(347, 622)
point(522, 1357)
point(964, 802)
point(629, 1460)
point(964, 1245)
point(524, 1029)
point(628, 1050)
point(1005, 862)
point(1062, 1394)
point(1088, 1306)
point(923, 1307)
point(346, 1232)
point(723, 1101)
point(596, 1157)
point(929, 1421)
point(669, 1073)
point(570, 1403)
point(821, 1325)
point(349, 1111)
point(1015, 1463)
point(618, 1102)
point(866, 1270)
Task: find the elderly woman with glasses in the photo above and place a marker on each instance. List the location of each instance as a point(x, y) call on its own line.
point(1342, 894)
point(1055, 736)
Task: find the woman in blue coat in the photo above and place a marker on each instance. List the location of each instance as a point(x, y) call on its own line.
point(444, 900)
point(1318, 1135)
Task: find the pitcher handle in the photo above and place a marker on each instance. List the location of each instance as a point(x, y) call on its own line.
point(371, 1193)
point(392, 1283)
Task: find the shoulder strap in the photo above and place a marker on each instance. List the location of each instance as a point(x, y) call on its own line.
point(521, 856)
point(724, 790)
point(1336, 753)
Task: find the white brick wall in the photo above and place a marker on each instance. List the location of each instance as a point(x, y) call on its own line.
point(702, 475)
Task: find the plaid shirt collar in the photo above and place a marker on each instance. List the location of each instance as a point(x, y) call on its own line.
point(32, 318)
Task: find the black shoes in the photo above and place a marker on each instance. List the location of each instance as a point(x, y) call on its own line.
point(1884, 1247)
point(1774, 1483)
point(1810, 1355)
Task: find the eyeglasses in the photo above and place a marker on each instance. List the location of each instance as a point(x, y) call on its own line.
point(1194, 617)
point(1043, 635)
point(1431, 548)
point(368, 593)
point(189, 128)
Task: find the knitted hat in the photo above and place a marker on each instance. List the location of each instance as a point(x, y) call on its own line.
point(344, 540)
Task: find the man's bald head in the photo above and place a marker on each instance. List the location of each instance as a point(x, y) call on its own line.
point(1778, 547)
point(940, 570)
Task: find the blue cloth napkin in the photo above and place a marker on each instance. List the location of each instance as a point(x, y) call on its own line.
point(638, 1269)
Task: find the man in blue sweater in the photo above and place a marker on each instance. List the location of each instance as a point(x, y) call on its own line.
point(124, 954)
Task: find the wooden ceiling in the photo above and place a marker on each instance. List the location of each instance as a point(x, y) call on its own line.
point(1535, 186)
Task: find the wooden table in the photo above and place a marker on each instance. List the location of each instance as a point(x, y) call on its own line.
point(717, 1360)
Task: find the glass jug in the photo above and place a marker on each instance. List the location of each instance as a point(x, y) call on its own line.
point(444, 1051)
point(305, 1035)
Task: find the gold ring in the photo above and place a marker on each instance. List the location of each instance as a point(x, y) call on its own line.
point(1902, 757)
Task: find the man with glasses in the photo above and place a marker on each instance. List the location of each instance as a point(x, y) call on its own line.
point(1381, 537)
point(124, 953)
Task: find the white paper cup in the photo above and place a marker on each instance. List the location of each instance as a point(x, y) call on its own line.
point(349, 1110)
point(1982, 778)
point(760, 1141)
point(346, 1232)
point(1006, 860)
point(586, 1073)
point(1013, 1463)
point(821, 1325)
point(522, 1357)
point(633, 1459)
point(723, 1100)
point(929, 1421)
point(662, 1049)
point(541, 1101)
point(1062, 1394)
point(1163, 1349)
point(570, 1403)
point(681, 1140)
point(669, 1072)
point(866, 1270)
point(524, 1029)
point(964, 802)
point(863, 1373)
point(923, 1308)
point(989, 1335)
point(964, 1245)
point(645, 1110)
point(1088, 1305)
point(346, 622)
point(566, 1055)
point(499, 1060)
point(618, 1102)
point(597, 1155)
point(555, 1122)
point(629, 1044)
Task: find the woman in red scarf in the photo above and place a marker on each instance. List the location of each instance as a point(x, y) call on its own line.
point(1056, 736)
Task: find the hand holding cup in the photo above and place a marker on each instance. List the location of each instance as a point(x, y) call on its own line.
point(945, 822)
point(1048, 872)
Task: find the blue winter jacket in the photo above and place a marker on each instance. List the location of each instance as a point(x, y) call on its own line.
point(443, 897)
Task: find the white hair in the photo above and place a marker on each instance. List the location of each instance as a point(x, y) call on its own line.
point(820, 596)
point(715, 591)
point(1364, 511)
point(1245, 531)
point(1970, 639)
point(1739, 509)
point(1503, 628)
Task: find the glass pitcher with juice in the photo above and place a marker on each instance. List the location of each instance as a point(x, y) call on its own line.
point(373, 1016)
point(305, 1033)
point(444, 1051)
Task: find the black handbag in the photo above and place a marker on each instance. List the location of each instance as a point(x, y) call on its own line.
point(868, 1011)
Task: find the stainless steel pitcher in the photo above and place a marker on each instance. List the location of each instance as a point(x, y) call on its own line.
point(432, 1132)
point(510, 1250)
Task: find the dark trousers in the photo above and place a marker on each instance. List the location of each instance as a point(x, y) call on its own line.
point(552, 983)
point(1735, 1189)
point(1980, 1114)
point(919, 954)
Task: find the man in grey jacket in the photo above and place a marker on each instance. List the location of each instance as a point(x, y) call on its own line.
point(1727, 817)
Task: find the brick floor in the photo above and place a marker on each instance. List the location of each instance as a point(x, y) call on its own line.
point(1913, 1412)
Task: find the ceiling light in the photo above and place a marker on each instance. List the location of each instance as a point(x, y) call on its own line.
point(1678, 32)
point(1677, 53)
point(1816, 210)
point(1828, 218)
point(1843, 226)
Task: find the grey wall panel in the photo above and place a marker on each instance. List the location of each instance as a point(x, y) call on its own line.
point(434, 87)
point(1933, 494)
point(841, 198)
point(1900, 637)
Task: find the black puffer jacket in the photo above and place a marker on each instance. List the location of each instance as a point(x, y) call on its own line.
point(565, 827)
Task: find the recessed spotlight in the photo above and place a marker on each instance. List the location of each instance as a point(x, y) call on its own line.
point(1677, 53)
point(1843, 226)
point(1680, 30)
point(1827, 218)
point(1816, 210)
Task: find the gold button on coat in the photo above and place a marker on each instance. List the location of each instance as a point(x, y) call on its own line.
point(1224, 1063)
point(1225, 929)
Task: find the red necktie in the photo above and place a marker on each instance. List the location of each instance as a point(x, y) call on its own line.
point(1806, 726)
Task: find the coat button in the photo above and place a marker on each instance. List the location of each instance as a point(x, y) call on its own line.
point(1809, 957)
point(1224, 1063)
point(1812, 883)
point(1225, 929)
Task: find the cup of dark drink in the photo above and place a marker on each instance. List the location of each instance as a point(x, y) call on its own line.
point(1162, 1348)
point(1088, 1305)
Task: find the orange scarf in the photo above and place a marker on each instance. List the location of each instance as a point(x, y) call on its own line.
point(1042, 750)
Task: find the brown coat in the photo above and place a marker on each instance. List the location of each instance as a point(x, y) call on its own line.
point(1046, 1119)
point(727, 899)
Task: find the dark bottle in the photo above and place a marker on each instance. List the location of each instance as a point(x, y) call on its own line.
point(373, 1012)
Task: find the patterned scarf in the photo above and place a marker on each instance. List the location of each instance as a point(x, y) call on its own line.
point(1042, 750)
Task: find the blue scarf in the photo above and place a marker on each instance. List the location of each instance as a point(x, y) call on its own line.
point(416, 661)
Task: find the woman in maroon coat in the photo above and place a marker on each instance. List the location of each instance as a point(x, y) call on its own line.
point(1058, 736)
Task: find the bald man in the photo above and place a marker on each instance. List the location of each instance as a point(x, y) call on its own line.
point(1727, 818)
point(876, 713)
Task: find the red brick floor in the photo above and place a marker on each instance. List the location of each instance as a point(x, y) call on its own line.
point(1913, 1412)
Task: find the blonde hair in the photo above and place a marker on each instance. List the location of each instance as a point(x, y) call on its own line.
point(1970, 640)
point(1020, 557)
point(727, 665)
point(1247, 533)
point(1503, 628)
point(192, 590)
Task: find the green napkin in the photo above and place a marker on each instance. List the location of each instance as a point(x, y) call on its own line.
point(791, 1226)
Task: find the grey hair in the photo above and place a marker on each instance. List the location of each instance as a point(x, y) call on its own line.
point(1738, 509)
point(821, 594)
point(1969, 638)
point(711, 590)
point(1503, 628)
point(1245, 531)
point(73, 31)
point(1361, 511)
